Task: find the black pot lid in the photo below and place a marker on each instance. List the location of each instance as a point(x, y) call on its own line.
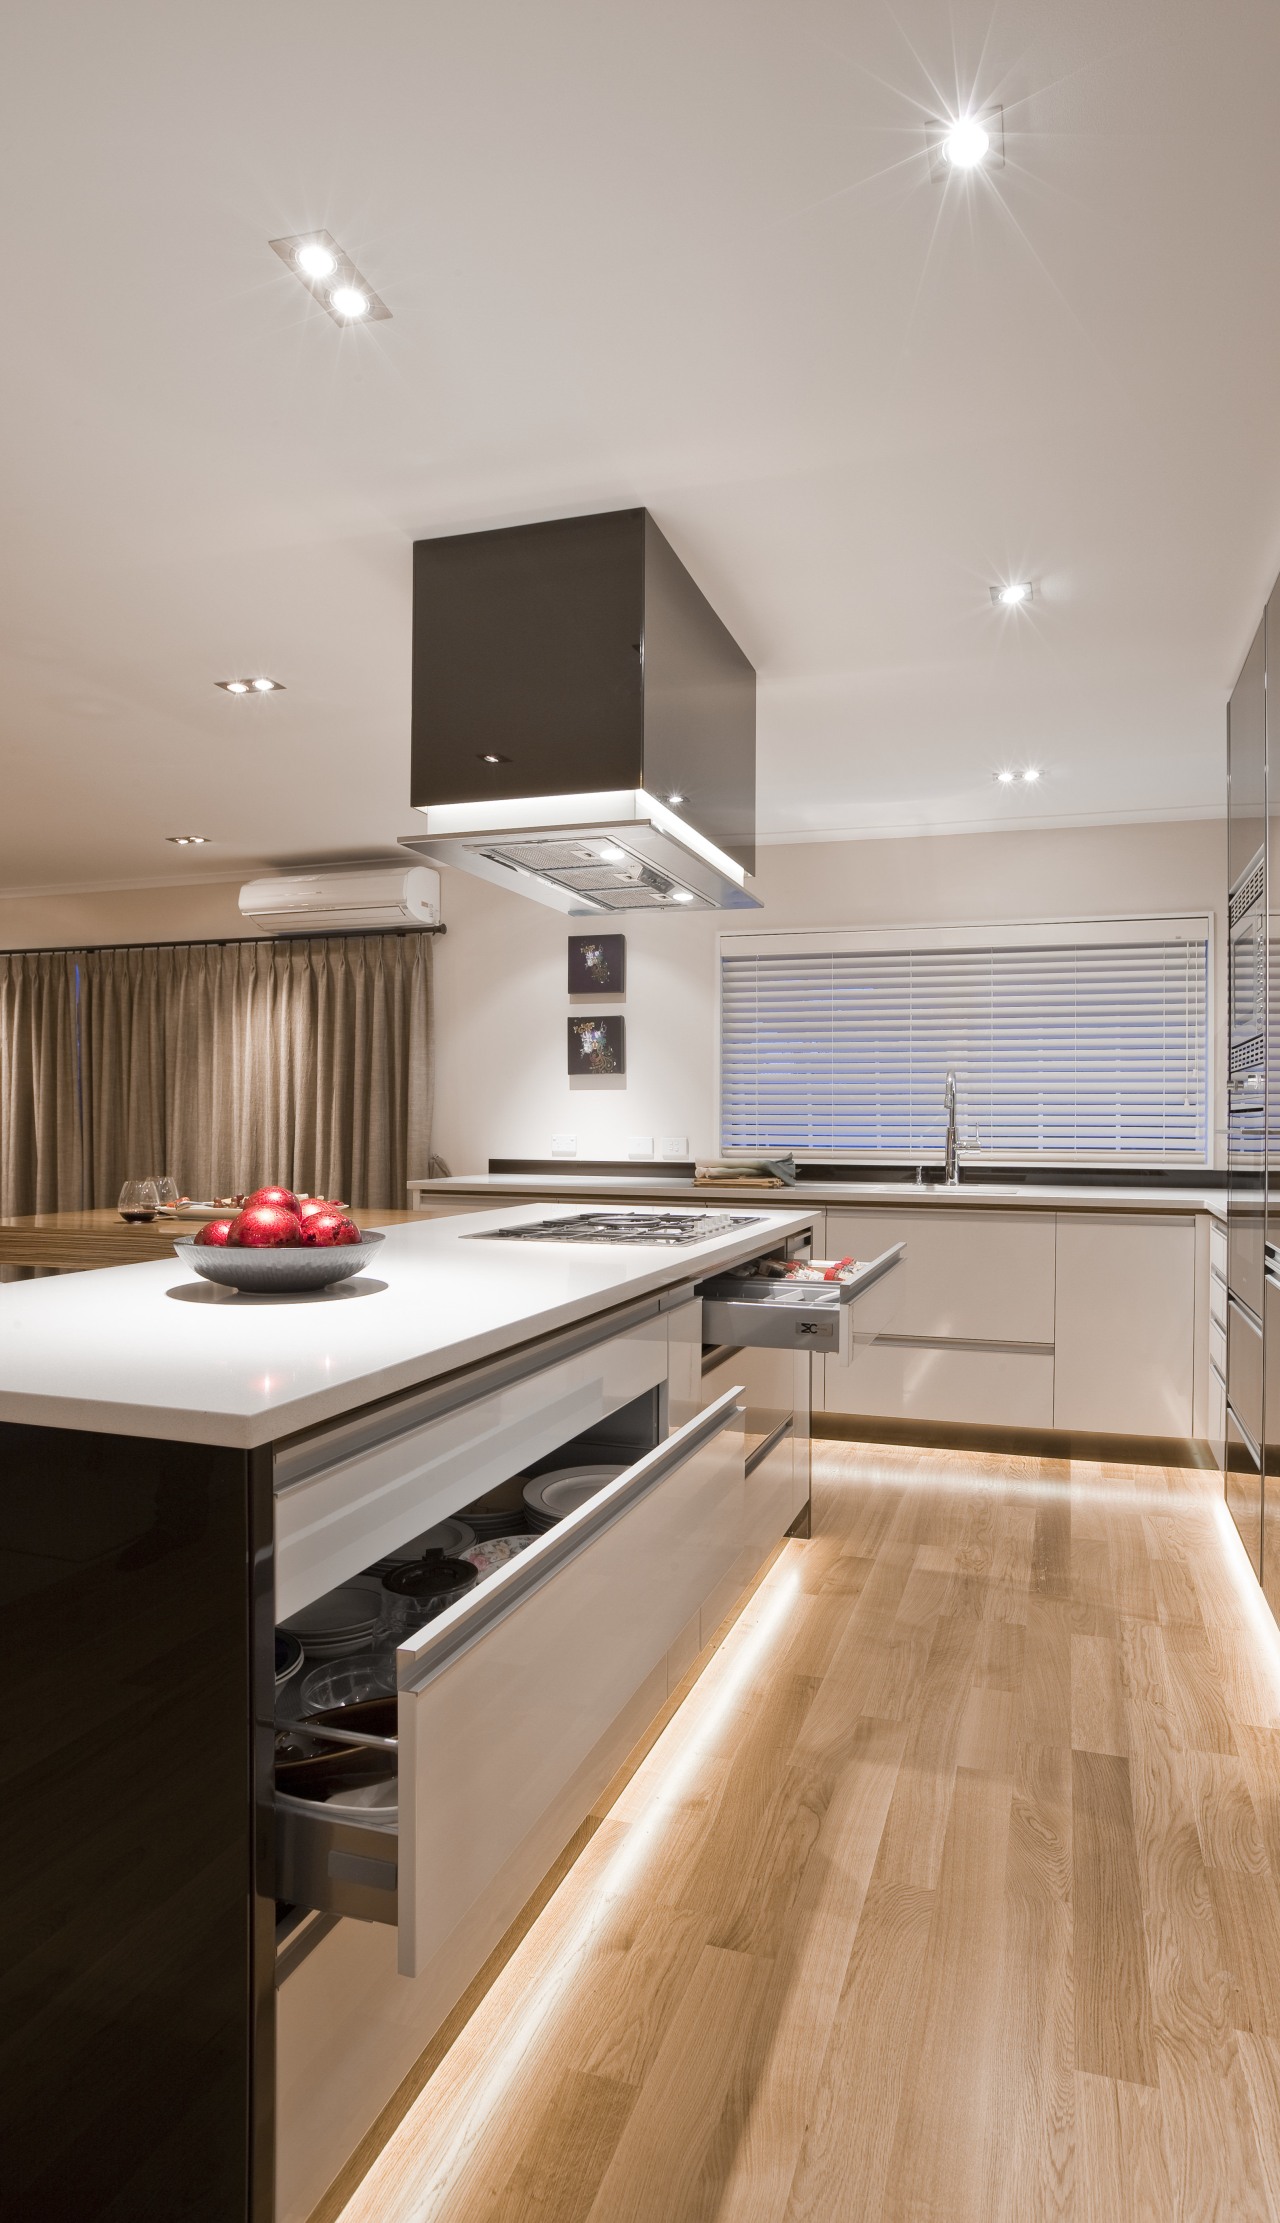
point(432, 1576)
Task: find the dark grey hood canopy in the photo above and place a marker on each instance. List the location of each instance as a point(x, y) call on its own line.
point(583, 723)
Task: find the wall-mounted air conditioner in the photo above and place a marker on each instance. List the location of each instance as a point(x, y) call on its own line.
point(344, 902)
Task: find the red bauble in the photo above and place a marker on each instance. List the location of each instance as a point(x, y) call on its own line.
point(284, 1198)
point(215, 1232)
point(264, 1227)
point(326, 1228)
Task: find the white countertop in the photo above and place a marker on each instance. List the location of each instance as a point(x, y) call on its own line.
point(579, 1187)
point(152, 1350)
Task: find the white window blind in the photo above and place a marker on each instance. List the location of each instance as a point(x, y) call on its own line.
point(1089, 1047)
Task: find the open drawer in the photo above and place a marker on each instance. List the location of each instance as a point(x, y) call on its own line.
point(516, 1706)
point(747, 1312)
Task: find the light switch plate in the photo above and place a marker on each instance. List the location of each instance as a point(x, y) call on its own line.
point(564, 1146)
point(639, 1146)
point(674, 1146)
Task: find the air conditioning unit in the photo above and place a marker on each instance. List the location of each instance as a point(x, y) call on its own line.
point(344, 902)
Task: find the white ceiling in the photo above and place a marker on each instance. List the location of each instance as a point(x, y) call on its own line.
point(685, 253)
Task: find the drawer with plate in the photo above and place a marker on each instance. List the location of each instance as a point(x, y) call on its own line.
point(747, 1312)
point(516, 1705)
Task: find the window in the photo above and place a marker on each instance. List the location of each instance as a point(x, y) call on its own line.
point(1075, 1041)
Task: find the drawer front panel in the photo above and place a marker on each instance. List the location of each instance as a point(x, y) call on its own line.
point(1218, 1347)
point(944, 1382)
point(1126, 1324)
point(496, 1736)
point(344, 1517)
point(983, 1275)
point(767, 1381)
point(1217, 1299)
point(815, 1325)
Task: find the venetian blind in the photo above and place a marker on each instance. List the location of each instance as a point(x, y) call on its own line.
point(1092, 1047)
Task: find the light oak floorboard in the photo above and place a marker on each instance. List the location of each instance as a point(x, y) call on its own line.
point(948, 1891)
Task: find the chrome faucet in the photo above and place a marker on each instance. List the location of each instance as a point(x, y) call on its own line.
point(951, 1175)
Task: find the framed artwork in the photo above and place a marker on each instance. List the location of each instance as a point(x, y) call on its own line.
point(597, 964)
point(597, 1046)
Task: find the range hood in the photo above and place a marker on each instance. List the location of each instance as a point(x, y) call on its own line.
point(583, 723)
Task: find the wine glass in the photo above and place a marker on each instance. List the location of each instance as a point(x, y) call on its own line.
point(138, 1200)
point(166, 1189)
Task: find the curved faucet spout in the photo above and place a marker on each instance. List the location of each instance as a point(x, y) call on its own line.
point(952, 1173)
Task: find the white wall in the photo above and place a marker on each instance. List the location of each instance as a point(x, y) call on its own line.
point(502, 1000)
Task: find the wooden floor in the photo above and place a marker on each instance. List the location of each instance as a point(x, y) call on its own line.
point(951, 1892)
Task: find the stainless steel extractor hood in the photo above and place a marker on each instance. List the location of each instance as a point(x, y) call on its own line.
point(583, 723)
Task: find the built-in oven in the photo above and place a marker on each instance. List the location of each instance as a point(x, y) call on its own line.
point(1247, 1191)
point(1247, 975)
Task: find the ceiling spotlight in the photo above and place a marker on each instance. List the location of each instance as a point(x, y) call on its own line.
point(681, 895)
point(966, 143)
point(330, 276)
point(1006, 779)
point(969, 142)
point(262, 686)
point(1013, 595)
point(1031, 775)
point(488, 756)
point(675, 798)
point(315, 260)
point(235, 686)
point(188, 841)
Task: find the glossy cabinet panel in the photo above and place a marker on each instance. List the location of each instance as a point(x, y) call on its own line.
point(970, 1273)
point(1244, 1491)
point(1245, 1371)
point(1125, 1335)
point(508, 1740)
point(903, 1379)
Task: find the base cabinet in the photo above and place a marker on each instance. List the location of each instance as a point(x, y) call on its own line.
point(1124, 1343)
point(898, 1378)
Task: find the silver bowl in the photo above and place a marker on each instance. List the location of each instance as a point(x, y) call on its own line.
point(279, 1273)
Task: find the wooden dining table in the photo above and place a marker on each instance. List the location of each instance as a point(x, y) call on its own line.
point(74, 1241)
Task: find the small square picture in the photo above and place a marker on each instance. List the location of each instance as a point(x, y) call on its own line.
point(597, 964)
point(597, 1045)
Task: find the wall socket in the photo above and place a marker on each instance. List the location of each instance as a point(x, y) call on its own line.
point(639, 1146)
point(564, 1146)
point(674, 1146)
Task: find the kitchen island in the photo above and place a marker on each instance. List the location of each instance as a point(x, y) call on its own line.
point(209, 1995)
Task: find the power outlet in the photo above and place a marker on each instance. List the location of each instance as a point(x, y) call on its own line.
point(674, 1146)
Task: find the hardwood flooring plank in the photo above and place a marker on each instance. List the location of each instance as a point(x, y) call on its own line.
point(1112, 1998)
point(939, 2160)
point(848, 2143)
point(559, 2171)
point(1226, 1818)
point(1260, 2068)
point(915, 1830)
point(1121, 2172)
point(1097, 1697)
point(1246, 1911)
point(1044, 1706)
point(1031, 2137)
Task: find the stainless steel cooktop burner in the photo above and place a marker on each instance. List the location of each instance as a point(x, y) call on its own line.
point(624, 1227)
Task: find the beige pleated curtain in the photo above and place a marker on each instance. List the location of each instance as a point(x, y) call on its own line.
point(227, 1065)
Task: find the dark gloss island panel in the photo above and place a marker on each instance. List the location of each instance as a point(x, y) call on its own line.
point(128, 2062)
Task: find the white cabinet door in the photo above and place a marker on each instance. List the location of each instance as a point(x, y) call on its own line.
point(1125, 1337)
point(991, 1385)
point(985, 1276)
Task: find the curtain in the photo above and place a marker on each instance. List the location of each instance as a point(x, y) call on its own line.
point(230, 1065)
point(41, 1168)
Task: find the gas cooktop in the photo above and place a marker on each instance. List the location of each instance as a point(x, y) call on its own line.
point(624, 1227)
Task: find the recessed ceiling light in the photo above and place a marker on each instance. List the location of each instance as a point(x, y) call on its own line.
point(1031, 775)
point(328, 273)
point(316, 260)
point(189, 841)
point(1014, 594)
point(1006, 779)
point(675, 798)
point(681, 895)
point(490, 756)
point(262, 686)
point(974, 141)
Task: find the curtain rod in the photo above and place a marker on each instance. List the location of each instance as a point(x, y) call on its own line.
point(233, 941)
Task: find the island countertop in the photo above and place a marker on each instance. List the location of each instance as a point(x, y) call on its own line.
point(153, 1350)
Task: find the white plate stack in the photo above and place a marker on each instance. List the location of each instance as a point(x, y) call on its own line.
point(344, 1620)
point(552, 1497)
